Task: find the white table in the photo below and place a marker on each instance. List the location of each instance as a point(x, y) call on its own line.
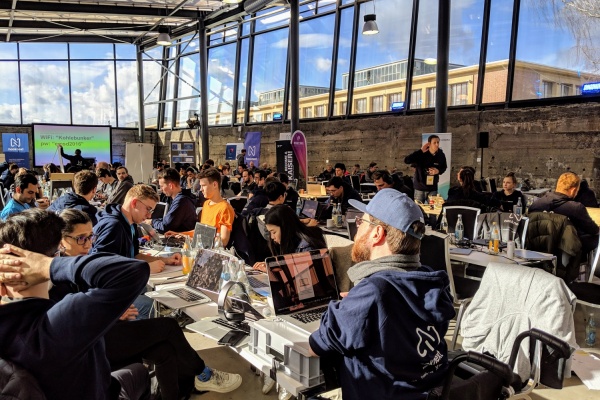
point(536, 192)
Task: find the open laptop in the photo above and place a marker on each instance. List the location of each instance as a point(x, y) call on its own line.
point(207, 234)
point(309, 209)
point(302, 285)
point(160, 210)
point(205, 275)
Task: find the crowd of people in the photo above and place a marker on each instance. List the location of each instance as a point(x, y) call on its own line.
point(84, 335)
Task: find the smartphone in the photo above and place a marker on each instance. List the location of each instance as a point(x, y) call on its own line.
point(232, 338)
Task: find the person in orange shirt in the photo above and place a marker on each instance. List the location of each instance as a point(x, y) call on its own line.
point(216, 211)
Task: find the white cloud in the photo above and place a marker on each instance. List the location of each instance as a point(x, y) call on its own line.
point(323, 64)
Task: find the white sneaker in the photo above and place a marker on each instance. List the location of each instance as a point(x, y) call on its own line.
point(284, 394)
point(220, 382)
point(268, 385)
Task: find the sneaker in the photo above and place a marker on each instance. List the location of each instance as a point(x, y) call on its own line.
point(220, 382)
point(268, 385)
point(284, 394)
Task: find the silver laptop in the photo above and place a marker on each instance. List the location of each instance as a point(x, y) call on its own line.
point(302, 285)
point(205, 275)
point(160, 210)
point(207, 234)
point(259, 282)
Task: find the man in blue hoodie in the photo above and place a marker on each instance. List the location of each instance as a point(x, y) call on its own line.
point(61, 344)
point(386, 336)
point(181, 216)
point(84, 185)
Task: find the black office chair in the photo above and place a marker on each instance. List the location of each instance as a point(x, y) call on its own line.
point(435, 253)
point(236, 187)
point(469, 218)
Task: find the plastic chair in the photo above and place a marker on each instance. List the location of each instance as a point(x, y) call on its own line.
point(435, 253)
point(469, 217)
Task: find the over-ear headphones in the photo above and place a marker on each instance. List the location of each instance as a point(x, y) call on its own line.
point(231, 314)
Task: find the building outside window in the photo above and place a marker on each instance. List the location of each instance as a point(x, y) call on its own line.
point(320, 111)
point(343, 107)
point(307, 112)
point(547, 89)
point(415, 99)
point(377, 104)
point(459, 94)
point(360, 106)
point(431, 97)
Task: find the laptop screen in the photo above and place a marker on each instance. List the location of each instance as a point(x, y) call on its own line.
point(160, 210)
point(206, 273)
point(309, 208)
point(301, 280)
point(207, 233)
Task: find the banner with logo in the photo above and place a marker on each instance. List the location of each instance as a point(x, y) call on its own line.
point(446, 146)
point(252, 145)
point(232, 150)
point(286, 159)
point(16, 148)
point(300, 149)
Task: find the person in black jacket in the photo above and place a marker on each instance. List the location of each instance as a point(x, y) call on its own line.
point(561, 202)
point(466, 190)
point(341, 192)
point(84, 184)
point(8, 176)
point(77, 161)
point(585, 195)
point(430, 164)
point(509, 196)
point(182, 212)
point(62, 344)
point(384, 180)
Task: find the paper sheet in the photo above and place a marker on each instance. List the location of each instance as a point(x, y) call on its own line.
point(587, 367)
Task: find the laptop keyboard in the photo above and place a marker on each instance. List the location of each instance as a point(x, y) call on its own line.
point(186, 295)
point(310, 315)
point(255, 282)
point(240, 326)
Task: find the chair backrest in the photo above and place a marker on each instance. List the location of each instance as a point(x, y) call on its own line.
point(355, 180)
point(510, 226)
point(17, 383)
point(469, 217)
point(595, 263)
point(238, 203)
point(435, 253)
point(236, 187)
point(352, 228)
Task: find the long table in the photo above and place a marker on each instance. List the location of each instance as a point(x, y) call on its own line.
point(595, 214)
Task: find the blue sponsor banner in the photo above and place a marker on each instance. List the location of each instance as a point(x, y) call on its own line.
point(252, 145)
point(16, 148)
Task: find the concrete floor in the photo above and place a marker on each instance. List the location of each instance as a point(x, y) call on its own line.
point(225, 359)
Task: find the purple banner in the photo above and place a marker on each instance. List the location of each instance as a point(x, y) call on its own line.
point(300, 150)
point(252, 145)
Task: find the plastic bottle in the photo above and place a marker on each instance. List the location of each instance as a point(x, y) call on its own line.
point(459, 229)
point(339, 220)
point(218, 244)
point(519, 208)
point(444, 223)
point(299, 206)
point(494, 239)
point(590, 331)
point(334, 214)
point(225, 274)
point(242, 278)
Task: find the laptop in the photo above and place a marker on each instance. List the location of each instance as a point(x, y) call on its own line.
point(486, 243)
point(309, 209)
point(207, 234)
point(205, 275)
point(302, 285)
point(259, 282)
point(160, 210)
point(530, 255)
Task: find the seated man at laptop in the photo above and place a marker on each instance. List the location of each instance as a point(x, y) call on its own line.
point(387, 335)
point(182, 212)
point(342, 192)
point(84, 186)
point(62, 344)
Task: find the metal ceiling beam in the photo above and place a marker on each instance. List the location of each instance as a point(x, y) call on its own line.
point(15, 37)
point(126, 26)
point(70, 8)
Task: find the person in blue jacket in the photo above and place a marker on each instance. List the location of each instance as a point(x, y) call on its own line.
point(84, 185)
point(181, 216)
point(61, 344)
point(386, 336)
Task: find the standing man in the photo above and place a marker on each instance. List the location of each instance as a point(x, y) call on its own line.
point(26, 186)
point(241, 158)
point(182, 212)
point(430, 164)
point(381, 353)
point(76, 161)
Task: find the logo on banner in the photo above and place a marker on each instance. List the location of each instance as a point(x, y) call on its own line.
point(15, 142)
point(252, 151)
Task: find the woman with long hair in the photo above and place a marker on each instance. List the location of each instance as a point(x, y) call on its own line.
point(509, 196)
point(289, 235)
point(466, 188)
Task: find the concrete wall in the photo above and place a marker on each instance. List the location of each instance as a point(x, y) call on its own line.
point(538, 143)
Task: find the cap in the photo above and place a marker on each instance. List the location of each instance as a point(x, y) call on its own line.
point(394, 208)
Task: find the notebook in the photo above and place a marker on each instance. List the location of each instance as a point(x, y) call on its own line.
point(205, 275)
point(302, 285)
point(207, 233)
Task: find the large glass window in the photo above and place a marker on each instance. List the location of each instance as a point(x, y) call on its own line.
point(431, 97)
point(152, 77)
point(243, 78)
point(127, 94)
point(91, 51)
point(8, 51)
point(459, 94)
point(381, 59)
point(43, 51)
point(344, 54)
point(268, 71)
point(10, 105)
point(496, 66)
point(189, 89)
point(45, 95)
point(221, 74)
point(557, 45)
point(93, 92)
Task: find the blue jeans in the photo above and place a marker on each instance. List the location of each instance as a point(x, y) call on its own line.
point(423, 197)
point(145, 306)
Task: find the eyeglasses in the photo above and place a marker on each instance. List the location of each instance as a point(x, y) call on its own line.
point(81, 240)
point(360, 220)
point(149, 210)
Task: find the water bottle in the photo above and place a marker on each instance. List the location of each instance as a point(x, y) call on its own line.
point(444, 223)
point(459, 229)
point(494, 245)
point(299, 207)
point(242, 278)
point(334, 214)
point(339, 217)
point(225, 273)
point(218, 244)
point(590, 331)
point(518, 208)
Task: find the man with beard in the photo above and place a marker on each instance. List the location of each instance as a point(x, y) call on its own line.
point(386, 336)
